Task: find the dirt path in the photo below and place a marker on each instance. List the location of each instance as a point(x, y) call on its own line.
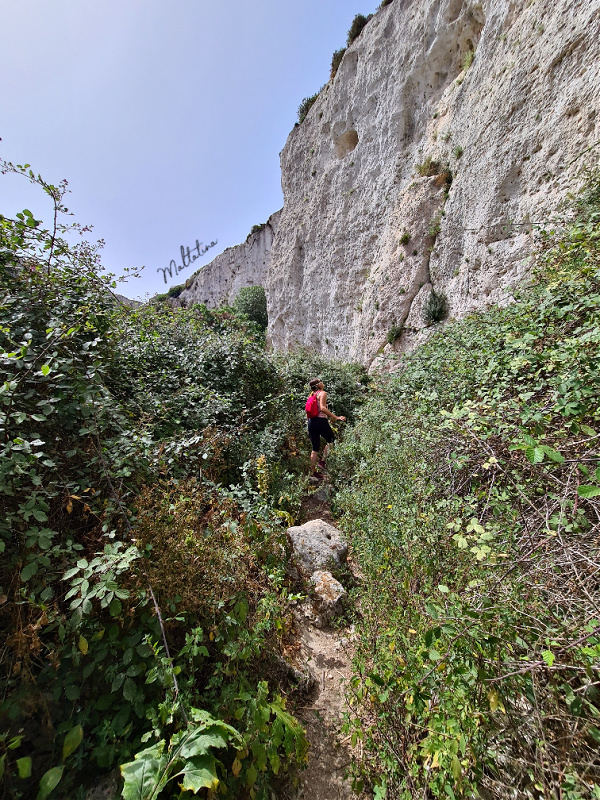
point(327, 654)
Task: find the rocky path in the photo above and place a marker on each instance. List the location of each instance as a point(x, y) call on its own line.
point(325, 652)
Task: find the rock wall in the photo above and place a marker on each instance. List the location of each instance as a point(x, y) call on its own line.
point(416, 169)
point(247, 264)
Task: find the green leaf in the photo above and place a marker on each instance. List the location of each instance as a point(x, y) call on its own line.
point(434, 655)
point(2, 764)
point(594, 733)
point(145, 776)
point(72, 741)
point(587, 430)
point(443, 589)
point(45, 370)
point(598, 474)
point(200, 741)
point(588, 491)
point(251, 776)
point(548, 657)
point(115, 607)
point(29, 570)
point(200, 772)
point(24, 767)
point(535, 454)
point(49, 782)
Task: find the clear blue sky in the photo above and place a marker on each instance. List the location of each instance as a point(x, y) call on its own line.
point(166, 118)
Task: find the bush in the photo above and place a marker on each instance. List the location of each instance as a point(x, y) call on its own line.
point(142, 569)
point(251, 302)
point(256, 229)
point(336, 60)
point(469, 489)
point(428, 167)
point(394, 333)
point(358, 24)
point(175, 291)
point(405, 238)
point(436, 308)
point(305, 106)
point(467, 59)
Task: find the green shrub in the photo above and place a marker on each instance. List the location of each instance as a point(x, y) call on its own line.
point(358, 24)
point(141, 573)
point(175, 291)
point(435, 226)
point(428, 167)
point(469, 489)
point(251, 302)
point(385, 3)
point(405, 238)
point(256, 229)
point(336, 60)
point(305, 107)
point(436, 308)
point(458, 151)
point(394, 333)
point(467, 59)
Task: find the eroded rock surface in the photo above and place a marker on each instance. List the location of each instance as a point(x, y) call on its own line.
point(317, 545)
point(365, 231)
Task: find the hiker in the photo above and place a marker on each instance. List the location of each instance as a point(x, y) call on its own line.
point(318, 423)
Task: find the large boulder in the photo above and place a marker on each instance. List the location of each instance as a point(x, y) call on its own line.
point(316, 546)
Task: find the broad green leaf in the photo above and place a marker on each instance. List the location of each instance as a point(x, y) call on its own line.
point(598, 474)
point(443, 589)
point(535, 454)
point(115, 607)
point(588, 491)
point(548, 657)
point(251, 776)
point(200, 741)
point(83, 645)
point(24, 767)
point(29, 570)
point(145, 776)
point(200, 772)
point(72, 740)
point(587, 430)
point(49, 782)
point(434, 655)
point(45, 370)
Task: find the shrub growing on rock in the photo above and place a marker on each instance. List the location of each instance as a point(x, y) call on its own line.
point(436, 308)
point(358, 24)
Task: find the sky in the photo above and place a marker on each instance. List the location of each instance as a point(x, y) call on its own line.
point(166, 118)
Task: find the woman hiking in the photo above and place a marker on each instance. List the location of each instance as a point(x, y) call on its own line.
point(318, 424)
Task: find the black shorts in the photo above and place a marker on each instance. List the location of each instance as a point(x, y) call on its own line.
point(319, 427)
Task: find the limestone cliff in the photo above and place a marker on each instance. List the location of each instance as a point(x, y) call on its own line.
point(247, 264)
point(450, 126)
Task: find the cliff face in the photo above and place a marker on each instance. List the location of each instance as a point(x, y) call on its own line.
point(246, 264)
point(415, 170)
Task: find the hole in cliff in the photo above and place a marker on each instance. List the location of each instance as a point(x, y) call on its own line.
point(346, 143)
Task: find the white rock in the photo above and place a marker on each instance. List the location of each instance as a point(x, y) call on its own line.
point(317, 545)
point(512, 128)
point(330, 597)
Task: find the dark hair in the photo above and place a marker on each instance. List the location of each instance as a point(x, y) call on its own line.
point(314, 383)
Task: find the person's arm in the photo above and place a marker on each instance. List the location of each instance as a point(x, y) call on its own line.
point(325, 410)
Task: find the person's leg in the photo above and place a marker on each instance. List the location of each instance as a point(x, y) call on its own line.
point(327, 434)
point(315, 440)
point(314, 460)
